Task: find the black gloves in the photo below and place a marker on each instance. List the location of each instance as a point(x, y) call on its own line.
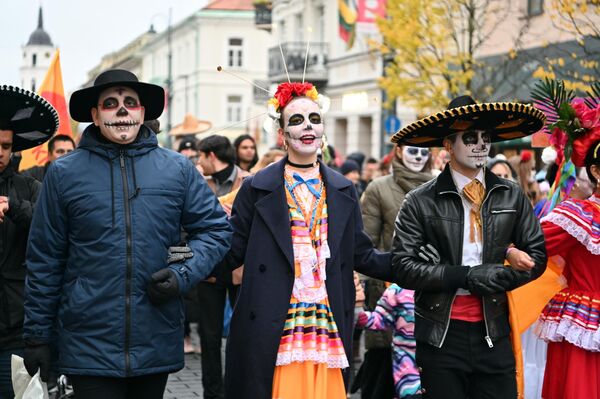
point(37, 356)
point(179, 254)
point(488, 279)
point(163, 286)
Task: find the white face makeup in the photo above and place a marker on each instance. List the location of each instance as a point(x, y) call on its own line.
point(471, 148)
point(119, 114)
point(303, 126)
point(415, 158)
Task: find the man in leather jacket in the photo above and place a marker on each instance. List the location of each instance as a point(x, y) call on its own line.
point(472, 218)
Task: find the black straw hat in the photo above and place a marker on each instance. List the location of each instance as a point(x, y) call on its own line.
point(151, 96)
point(30, 117)
point(504, 121)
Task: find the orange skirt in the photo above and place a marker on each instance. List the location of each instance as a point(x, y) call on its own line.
point(308, 380)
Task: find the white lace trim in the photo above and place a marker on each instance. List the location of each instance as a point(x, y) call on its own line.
point(566, 223)
point(569, 331)
point(300, 356)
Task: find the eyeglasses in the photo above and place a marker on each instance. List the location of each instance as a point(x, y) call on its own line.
point(415, 151)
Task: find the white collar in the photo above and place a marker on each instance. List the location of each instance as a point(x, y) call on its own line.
point(461, 180)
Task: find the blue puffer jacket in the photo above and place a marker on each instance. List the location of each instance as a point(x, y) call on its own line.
point(103, 223)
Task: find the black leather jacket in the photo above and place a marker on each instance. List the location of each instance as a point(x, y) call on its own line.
point(433, 213)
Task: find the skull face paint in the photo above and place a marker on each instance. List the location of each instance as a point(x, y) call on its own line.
point(119, 114)
point(303, 126)
point(471, 148)
point(415, 158)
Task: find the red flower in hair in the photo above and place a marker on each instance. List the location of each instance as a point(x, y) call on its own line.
point(288, 91)
point(525, 156)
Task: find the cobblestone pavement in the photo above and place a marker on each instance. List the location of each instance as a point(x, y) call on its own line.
point(187, 383)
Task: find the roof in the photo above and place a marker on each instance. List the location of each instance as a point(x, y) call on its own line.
point(244, 5)
point(40, 37)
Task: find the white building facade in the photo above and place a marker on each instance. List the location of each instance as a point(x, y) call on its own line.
point(221, 34)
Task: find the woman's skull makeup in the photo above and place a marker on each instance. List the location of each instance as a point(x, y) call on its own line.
point(471, 148)
point(415, 158)
point(303, 126)
point(119, 114)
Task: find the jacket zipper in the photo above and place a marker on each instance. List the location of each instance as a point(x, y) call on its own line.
point(462, 218)
point(485, 321)
point(128, 261)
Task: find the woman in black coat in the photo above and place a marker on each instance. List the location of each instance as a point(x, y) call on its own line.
point(262, 242)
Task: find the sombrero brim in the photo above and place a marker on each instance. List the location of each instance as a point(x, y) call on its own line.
point(33, 120)
point(202, 127)
point(504, 121)
point(151, 96)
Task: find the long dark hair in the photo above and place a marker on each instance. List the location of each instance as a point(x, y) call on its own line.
point(592, 158)
point(237, 142)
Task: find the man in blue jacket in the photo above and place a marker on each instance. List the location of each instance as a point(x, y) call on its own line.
point(98, 282)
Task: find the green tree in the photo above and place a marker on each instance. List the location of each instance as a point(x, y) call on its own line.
point(432, 48)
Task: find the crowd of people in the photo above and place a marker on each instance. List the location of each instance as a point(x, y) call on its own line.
point(116, 247)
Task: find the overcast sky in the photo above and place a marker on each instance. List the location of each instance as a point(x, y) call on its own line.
point(84, 30)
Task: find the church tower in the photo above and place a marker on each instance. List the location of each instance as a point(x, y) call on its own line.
point(37, 55)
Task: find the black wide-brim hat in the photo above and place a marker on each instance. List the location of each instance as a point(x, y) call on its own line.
point(32, 119)
point(152, 97)
point(503, 120)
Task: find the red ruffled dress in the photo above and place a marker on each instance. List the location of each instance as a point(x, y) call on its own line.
point(570, 321)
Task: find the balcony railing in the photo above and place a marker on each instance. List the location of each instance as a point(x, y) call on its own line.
point(294, 53)
point(260, 96)
point(262, 15)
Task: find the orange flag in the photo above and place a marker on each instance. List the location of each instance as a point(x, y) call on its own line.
point(53, 91)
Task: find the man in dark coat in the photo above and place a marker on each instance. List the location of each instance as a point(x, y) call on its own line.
point(273, 260)
point(17, 198)
point(99, 283)
point(58, 145)
point(451, 239)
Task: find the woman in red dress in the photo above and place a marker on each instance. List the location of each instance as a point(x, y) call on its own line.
point(570, 320)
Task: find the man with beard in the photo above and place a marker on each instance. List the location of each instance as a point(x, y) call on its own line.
point(380, 204)
point(99, 283)
point(471, 217)
point(26, 120)
point(298, 232)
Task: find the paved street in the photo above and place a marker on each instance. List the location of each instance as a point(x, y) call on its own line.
point(186, 383)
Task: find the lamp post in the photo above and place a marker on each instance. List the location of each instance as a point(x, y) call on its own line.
point(169, 81)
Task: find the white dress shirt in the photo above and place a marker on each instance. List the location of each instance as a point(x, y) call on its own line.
point(472, 251)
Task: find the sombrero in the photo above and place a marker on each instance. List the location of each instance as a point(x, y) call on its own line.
point(503, 120)
point(151, 96)
point(31, 118)
point(190, 126)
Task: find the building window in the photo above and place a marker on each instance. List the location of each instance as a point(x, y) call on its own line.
point(34, 59)
point(535, 7)
point(299, 28)
point(234, 109)
point(33, 85)
point(235, 53)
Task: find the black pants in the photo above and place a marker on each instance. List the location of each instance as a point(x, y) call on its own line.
point(465, 367)
point(211, 299)
point(150, 386)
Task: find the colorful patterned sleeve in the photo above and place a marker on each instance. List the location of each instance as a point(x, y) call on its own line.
point(385, 313)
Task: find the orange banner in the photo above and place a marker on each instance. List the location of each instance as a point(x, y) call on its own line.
point(53, 91)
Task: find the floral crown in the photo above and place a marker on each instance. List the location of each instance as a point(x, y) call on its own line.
point(574, 127)
point(287, 91)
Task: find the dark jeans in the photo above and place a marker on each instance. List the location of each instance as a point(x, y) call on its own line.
point(150, 386)
point(6, 389)
point(465, 367)
point(211, 298)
